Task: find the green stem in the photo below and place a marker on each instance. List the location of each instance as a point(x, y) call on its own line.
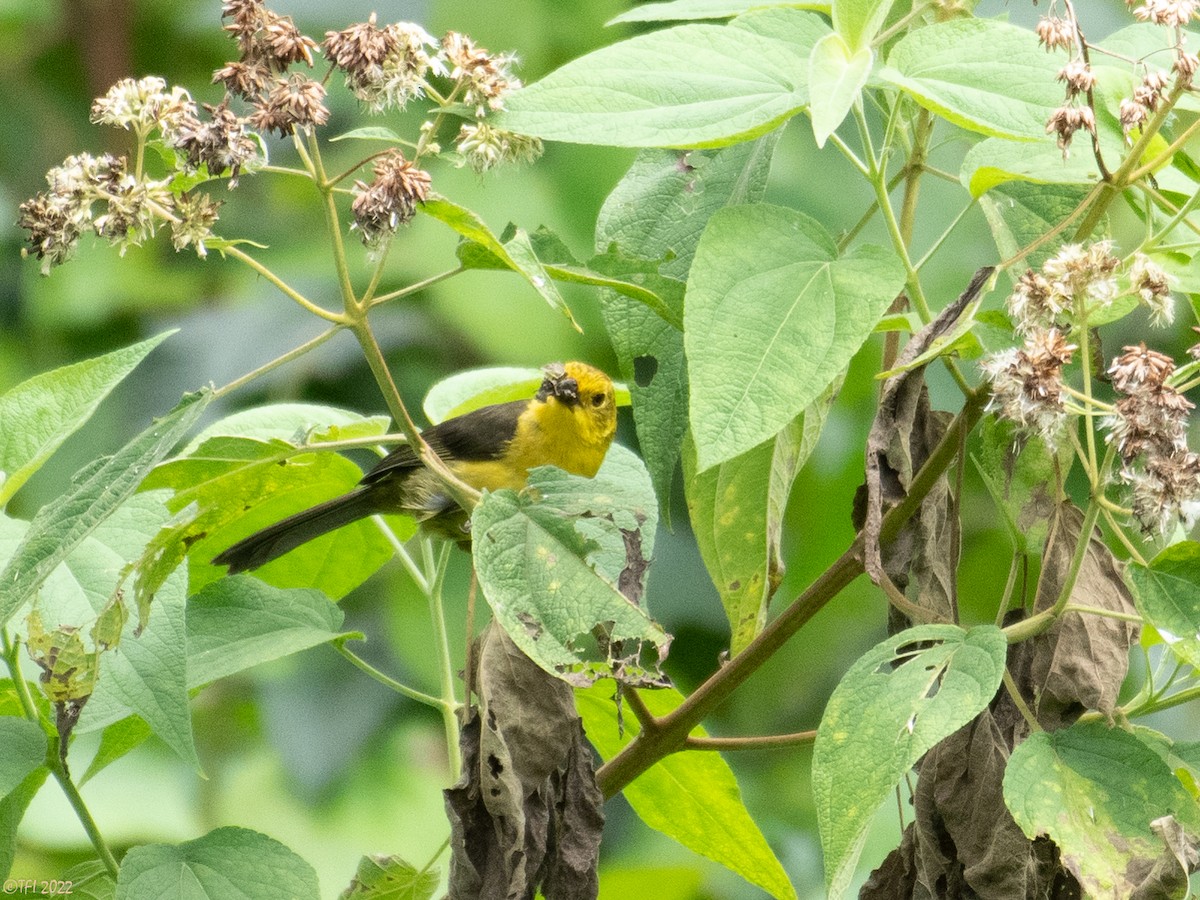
point(1086, 366)
point(387, 681)
point(410, 565)
point(1019, 701)
point(333, 225)
point(241, 255)
point(462, 494)
point(878, 180)
point(85, 817)
point(417, 286)
point(1112, 187)
point(1038, 623)
point(436, 575)
point(12, 651)
point(1103, 613)
point(279, 361)
point(1165, 156)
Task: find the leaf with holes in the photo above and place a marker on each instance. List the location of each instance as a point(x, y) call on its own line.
point(560, 583)
point(896, 702)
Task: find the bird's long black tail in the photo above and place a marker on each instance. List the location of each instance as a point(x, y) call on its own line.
point(274, 541)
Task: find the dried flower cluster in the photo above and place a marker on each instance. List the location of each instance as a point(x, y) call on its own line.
point(1171, 13)
point(384, 67)
point(105, 196)
point(269, 44)
point(1046, 306)
point(1027, 383)
point(1074, 280)
point(1149, 430)
point(1078, 110)
point(1055, 33)
point(220, 145)
point(1145, 100)
point(391, 199)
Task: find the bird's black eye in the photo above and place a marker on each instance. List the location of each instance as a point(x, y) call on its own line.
point(597, 400)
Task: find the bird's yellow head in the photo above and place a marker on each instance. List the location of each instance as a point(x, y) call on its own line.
point(580, 414)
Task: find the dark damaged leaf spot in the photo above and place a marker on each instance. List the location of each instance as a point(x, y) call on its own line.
point(644, 370)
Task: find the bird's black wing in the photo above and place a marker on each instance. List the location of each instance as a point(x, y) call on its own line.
point(480, 435)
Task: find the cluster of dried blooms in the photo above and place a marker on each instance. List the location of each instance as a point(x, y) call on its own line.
point(1148, 425)
point(1027, 385)
point(104, 196)
point(390, 199)
point(1078, 110)
point(384, 67)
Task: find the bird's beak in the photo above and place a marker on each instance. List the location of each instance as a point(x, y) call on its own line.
point(559, 385)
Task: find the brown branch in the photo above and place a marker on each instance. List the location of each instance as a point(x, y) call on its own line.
point(758, 742)
point(672, 731)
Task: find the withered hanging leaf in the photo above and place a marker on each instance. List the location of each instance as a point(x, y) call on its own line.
point(963, 841)
point(1082, 660)
point(904, 433)
point(1168, 874)
point(526, 813)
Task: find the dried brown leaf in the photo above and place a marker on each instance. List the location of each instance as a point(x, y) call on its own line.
point(904, 433)
point(526, 813)
point(1081, 661)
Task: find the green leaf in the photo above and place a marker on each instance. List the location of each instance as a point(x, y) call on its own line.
point(148, 677)
point(615, 512)
point(390, 878)
point(472, 389)
point(24, 745)
point(534, 563)
point(90, 881)
point(692, 798)
point(12, 811)
point(687, 86)
point(1167, 593)
point(1011, 96)
point(1095, 790)
point(659, 210)
point(229, 487)
point(1018, 213)
point(296, 423)
point(736, 510)
point(959, 339)
point(225, 864)
point(369, 133)
point(239, 622)
point(836, 76)
point(41, 413)
point(682, 10)
point(772, 317)
point(61, 525)
point(895, 703)
point(115, 741)
point(635, 278)
point(1024, 478)
point(994, 161)
point(516, 254)
point(858, 21)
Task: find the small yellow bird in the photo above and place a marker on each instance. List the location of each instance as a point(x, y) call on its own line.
point(569, 423)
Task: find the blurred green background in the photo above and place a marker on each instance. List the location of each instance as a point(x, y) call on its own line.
point(308, 750)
